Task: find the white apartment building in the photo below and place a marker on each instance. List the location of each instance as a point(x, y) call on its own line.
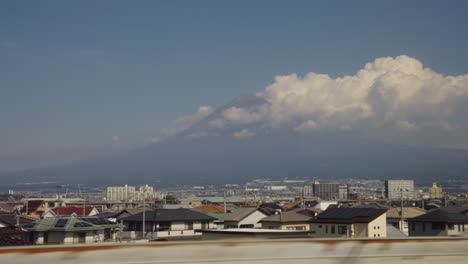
point(129, 193)
point(399, 189)
point(121, 193)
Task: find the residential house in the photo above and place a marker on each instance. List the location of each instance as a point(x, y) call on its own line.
point(447, 221)
point(351, 222)
point(399, 219)
point(166, 223)
point(215, 211)
point(70, 230)
point(246, 217)
point(34, 208)
point(287, 221)
point(11, 233)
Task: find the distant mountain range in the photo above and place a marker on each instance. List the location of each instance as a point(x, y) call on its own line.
point(201, 154)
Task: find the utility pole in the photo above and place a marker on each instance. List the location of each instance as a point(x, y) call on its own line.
point(224, 203)
point(401, 210)
point(144, 212)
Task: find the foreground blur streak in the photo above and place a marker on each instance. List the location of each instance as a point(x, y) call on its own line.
point(401, 251)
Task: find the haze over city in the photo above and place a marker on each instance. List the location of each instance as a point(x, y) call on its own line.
point(87, 81)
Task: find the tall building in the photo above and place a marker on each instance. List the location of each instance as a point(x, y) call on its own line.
point(399, 189)
point(324, 191)
point(121, 193)
point(129, 193)
point(435, 191)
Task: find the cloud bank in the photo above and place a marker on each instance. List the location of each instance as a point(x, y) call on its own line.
point(389, 96)
point(391, 93)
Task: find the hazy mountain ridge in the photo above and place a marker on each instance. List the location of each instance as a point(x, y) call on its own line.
point(219, 157)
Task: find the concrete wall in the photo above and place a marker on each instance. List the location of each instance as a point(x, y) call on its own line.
point(378, 227)
point(294, 251)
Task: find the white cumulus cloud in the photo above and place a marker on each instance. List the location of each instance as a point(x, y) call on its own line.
point(395, 93)
point(244, 133)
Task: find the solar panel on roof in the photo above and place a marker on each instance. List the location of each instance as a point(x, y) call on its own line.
point(82, 224)
point(61, 223)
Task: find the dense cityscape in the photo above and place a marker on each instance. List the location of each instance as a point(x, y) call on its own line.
point(260, 208)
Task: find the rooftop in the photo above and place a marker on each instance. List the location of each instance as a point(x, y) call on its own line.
point(287, 217)
point(445, 215)
point(408, 212)
point(168, 215)
point(349, 215)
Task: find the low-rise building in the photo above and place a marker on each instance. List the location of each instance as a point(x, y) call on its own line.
point(287, 221)
point(399, 219)
point(246, 217)
point(448, 221)
point(166, 223)
point(351, 222)
point(70, 230)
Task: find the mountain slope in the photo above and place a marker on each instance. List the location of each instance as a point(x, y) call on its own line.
point(217, 156)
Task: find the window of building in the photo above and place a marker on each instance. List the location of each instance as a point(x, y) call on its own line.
point(413, 226)
point(319, 226)
point(333, 229)
point(247, 226)
point(424, 227)
point(295, 228)
point(438, 226)
point(451, 226)
point(326, 229)
point(189, 225)
point(342, 230)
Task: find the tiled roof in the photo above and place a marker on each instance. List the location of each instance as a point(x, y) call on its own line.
point(169, 215)
point(271, 206)
point(7, 237)
point(240, 213)
point(8, 207)
point(8, 230)
point(349, 215)
point(10, 219)
point(69, 210)
point(287, 217)
point(445, 215)
point(408, 212)
point(371, 205)
point(307, 211)
point(210, 208)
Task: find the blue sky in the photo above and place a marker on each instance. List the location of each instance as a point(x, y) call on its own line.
point(75, 74)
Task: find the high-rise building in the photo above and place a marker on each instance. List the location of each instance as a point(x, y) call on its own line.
point(121, 193)
point(435, 192)
point(324, 191)
point(399, 189)
point(129, 193)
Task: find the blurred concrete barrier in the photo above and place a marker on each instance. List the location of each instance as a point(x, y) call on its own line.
point(398, 251)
